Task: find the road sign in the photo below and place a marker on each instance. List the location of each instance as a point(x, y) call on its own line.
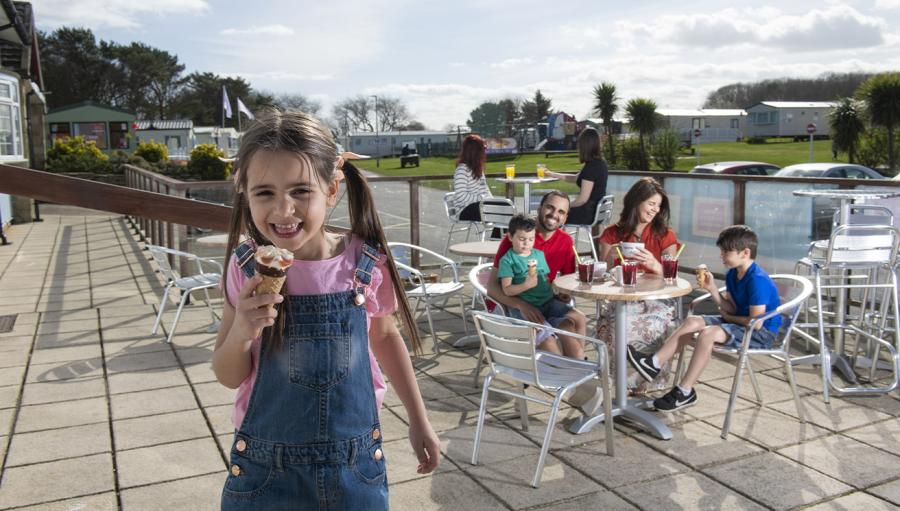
point(810, 128)
point(697, 132)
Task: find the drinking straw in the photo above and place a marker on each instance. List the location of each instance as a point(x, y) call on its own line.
point(577, 257)
point(680, 250)
point(619, 251)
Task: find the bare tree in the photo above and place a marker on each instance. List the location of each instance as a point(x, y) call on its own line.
point(392, 113)
point(353, 113)
point(296, 101)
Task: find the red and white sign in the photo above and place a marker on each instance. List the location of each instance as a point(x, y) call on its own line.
point(810, 128)
point(697, 132)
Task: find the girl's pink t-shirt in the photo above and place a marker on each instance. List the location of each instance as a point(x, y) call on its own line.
point(316, 278)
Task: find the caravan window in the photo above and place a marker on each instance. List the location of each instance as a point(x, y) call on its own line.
point(10, 119)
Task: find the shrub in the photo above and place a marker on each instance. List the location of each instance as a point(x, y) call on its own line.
point(756, 139)
point(75, 154)
point(630, 153)
point(205, 161)
point(872, 148)
point(664, 148)
point(152, 151)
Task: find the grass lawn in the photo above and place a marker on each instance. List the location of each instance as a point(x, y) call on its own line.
point(780, 152)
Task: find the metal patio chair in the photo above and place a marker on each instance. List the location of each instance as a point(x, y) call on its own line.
point(203, 280)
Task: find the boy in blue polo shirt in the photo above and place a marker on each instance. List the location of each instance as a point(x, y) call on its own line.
point(749, 293)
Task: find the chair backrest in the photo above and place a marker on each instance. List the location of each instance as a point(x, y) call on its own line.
point(793, 291)
point(497, 212)
point(478, 277)
point(535, 196)
point(162, 260)
point(862, 244)
point(507, 345)
point(403, 256)
point(604, 210)
point(865, 214)
point(450, 207)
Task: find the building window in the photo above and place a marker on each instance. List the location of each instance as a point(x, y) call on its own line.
point(173, 141)
point(118, 135)
point(59, 131)
point(92, 132)
point(734, 124)
point(10, 119)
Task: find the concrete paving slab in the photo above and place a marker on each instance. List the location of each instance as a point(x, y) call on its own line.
point(883, 403)
point(498, 443)
point(776, 481)
point(838, 415)
point(402, 462)
point(61, 415)
point(151, 402)
point(123, 362)
point(65, 354)
point(712, 401)
point(449, 361)
point(393, 425)
point(195, 493)
point(686, 491)
point(510, 480)
point(55, 444)
point(168, 462)
point(697, 444)
point(769, 428)
point(200, 373)
point(605, 500)
point(888, 491)
point(459, 382)
point(847, 460)
point(159, 429)
point(220, 418)
point(135, 345)
point(101, 502)
point(194, 355)
point(214, 393)
point(55, 480)
point(561, 438)
point(63, 371)
point(452, 413)
point(856, 500)
point(633, 462)
point(120, 383)
point(445, 491)
point(6, 419)
point(883, 435)
point(9, 395)
point(11, 375)
point(429, 388)
point(773, 390)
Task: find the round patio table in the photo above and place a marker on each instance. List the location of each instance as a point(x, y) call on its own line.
point(649, 287)
point(526, 182)
point(476, 248)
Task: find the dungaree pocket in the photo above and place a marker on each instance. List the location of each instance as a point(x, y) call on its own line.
point(249, 477)
point(368, 463)
point(320, 354)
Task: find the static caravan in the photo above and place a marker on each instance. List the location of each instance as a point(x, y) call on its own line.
point(788, 118)
point(390, 143)
point(110, 128)
point(178, 136)
point(225, 139)
point(715, 124)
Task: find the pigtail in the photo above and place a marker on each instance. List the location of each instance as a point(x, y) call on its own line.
point(364, 223)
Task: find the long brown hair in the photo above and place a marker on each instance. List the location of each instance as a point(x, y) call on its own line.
point(589, 145)
point(642, 190)
point(302, 134)
point(473, 154)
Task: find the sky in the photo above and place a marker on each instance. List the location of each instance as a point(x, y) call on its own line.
point(445, 58)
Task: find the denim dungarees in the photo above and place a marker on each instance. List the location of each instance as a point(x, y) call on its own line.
point(311, 439)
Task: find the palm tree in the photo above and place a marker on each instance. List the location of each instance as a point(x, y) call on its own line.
point(641, 114)
point(846, 126)
point(881, 97)
point(606, 107)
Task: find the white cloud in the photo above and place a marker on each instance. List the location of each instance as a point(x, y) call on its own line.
point(281, 76)
point(111, 13)
point(834, 27)
point(887, 4)
point(254, 30)
point(512, 63)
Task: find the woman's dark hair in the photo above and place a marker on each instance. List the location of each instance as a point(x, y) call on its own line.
point(738, 238)
point(642, 190)
point(589, 145)
point(311, 141)
point(473, 154)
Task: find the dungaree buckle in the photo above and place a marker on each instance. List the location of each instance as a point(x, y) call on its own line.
point(360, 298)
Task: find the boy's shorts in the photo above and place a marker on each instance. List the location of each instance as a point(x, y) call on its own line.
point(761, 339)
point(554, 312)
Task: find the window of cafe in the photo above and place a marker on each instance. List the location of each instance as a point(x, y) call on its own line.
point(91, 131)
point(10, 120)
point(59, 131)
point(118, 135)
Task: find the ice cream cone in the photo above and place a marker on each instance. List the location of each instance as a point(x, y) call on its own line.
point(702, 274)
point(532, 267)
point(272, 264)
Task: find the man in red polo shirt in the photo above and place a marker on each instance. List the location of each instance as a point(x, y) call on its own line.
point(556, 245)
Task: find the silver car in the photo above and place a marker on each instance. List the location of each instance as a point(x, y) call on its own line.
point(836, 170)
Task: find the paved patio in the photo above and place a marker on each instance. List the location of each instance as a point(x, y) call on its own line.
point(95, 413)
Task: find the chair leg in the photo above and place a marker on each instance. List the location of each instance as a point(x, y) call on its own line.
point(523, 411)
point(162, 308)
point(545, 446)
point(753, 381)
point(462, 310)
point(825, 355)
point(732, 399)
point(481, 412)
point(789, 373)
point(607, 413)
point(437, 348)
point(478, 366)
point(184, 298)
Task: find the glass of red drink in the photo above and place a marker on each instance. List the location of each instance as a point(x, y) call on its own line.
point(629, 273)
point(670, 268)
point(586, 271)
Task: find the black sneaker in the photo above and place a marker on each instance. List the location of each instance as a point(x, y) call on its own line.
point(675, 400)
point(641, 363)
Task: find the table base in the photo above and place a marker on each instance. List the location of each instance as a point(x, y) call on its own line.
point(838, 361)
point(633, 413)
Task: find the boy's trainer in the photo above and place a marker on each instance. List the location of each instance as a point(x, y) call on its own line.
point(641, 363)
point(675, 400)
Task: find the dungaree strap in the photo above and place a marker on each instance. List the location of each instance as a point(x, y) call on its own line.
point(245, 261)
point(362, 276)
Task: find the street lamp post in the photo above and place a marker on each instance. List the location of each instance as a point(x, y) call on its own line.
point(377, 142)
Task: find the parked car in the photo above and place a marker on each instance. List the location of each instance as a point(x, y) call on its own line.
point(837, 170)
point(740, 168)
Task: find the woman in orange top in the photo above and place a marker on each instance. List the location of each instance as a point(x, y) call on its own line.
point(644, 219)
